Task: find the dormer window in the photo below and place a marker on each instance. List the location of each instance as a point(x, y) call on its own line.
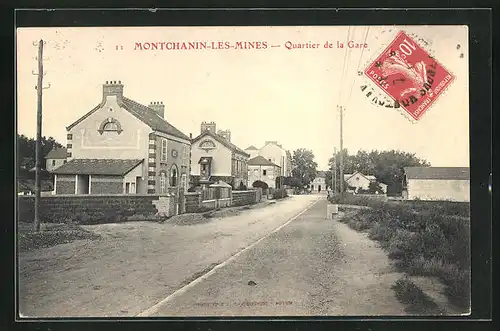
point(110, 125)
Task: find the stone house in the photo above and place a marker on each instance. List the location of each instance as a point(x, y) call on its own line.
point(437, 183)
point(319, 182)
point(122, 146)
point(275, 153)
point(360, 181)
point(215, 158)
point(264, 170)
point(55, 158)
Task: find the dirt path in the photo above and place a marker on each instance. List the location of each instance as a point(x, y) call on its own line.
point(312, 266)
point(135, 265)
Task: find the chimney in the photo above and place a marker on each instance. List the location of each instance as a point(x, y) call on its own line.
point(208, 126)
point(190, 136)
point(226, 134)
point(158, 107)
point(112, 87)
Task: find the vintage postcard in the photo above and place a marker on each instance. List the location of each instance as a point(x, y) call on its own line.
point(243, 171)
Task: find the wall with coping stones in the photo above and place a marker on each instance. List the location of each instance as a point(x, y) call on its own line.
point(241, 198)
point(97, 208)
point(106, 208)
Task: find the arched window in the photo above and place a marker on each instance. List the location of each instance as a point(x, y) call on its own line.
point(174, 176)
point(110, 125)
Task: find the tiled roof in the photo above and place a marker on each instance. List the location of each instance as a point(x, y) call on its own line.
point(437, 173)
point(144, 114)
point(56, 153)
point(151, 118)
point(223, 141)
point(97, 167)
point(260, 161)
point(251, 147)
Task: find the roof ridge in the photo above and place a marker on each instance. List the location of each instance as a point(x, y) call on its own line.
point(155, 116)
point(223, 141)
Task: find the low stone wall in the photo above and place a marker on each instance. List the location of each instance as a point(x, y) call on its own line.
point(193, 202)
point(93, 209)
point(242, 198)
point(209, 204)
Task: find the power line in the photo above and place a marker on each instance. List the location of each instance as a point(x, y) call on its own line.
point(344, 65)
point(359, 64)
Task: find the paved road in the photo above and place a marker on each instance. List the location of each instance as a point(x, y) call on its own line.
point(136, 265)
point(312, 266)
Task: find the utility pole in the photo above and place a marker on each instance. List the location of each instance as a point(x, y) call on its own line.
point(341, 156)
point(334, 172)
point(38, 153)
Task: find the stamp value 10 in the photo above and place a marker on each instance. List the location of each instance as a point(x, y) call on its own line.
point(409, 75)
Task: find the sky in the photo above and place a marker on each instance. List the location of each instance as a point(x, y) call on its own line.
point(276, 93)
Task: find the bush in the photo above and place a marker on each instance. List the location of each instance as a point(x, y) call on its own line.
point(423, 239)
point(351, 199)
point(243, 187)
point(261, 184)
point(280, 194)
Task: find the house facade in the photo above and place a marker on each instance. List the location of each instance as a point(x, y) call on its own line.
point(122, 146)
point(275, 153)
point(55, 158)
point(319, 182)
point(359, 181)
point(215, 158)
point(252, 151)
point(264, 170)
point(437, 183)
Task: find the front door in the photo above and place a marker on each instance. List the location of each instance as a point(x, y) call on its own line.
point(319, 188)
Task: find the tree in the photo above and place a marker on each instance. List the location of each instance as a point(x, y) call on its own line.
point(294, 182)
point(304, 166)
point(375, 188)
point(26, 152)
point(386, 166)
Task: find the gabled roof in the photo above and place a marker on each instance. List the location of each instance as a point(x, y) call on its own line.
point(462, 173)
point(369, 177)
point(251, 148)
point(151, 118)
point(143, 113)
point(261, 161)
point(221, 140)
point(56, 153)
point(115, 167)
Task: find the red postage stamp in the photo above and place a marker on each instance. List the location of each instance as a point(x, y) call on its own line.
point(409, 75)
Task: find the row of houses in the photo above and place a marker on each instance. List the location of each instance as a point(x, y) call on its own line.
point(419, 183)
point(357, 181)
point(122, 146)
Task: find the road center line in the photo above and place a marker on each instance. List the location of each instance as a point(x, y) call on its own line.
point(154, 309)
